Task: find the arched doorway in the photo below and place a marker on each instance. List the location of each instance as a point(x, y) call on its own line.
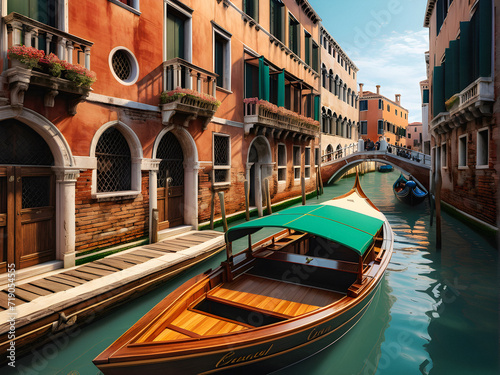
point(259, 167)
point(170, 182)
point(27, 197)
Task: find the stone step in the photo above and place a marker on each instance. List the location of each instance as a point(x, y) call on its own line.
point(175, 231)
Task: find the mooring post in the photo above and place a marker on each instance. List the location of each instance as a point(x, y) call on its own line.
point(247, 204)
point(268, 196)
point(212, 203)
point(303, 186)
point(154, 225)
point(223, 210)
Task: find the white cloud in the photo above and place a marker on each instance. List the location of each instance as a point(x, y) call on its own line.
point(396, 62)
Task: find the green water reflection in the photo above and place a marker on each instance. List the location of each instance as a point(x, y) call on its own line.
point(435, 313)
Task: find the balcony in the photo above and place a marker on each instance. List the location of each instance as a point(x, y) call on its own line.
point(31, 33)
point(188, 93)
point(475, 101)
point(266, 118)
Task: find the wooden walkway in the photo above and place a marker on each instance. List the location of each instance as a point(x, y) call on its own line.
point(50, 303)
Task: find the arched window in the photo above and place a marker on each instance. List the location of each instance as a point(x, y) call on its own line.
point(324, 75)
point(114, 163)
point(344, 96)
point(331, 81)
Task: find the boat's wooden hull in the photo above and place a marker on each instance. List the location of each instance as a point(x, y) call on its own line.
point(265, 355)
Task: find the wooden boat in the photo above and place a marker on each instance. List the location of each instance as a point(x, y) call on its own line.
point(407, 191)
point(279, 301)
point(385, 168)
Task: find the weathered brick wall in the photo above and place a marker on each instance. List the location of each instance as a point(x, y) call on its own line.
point(473, 190)
point(103, 224)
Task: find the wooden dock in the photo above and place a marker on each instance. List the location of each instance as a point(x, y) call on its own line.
point(48, 304)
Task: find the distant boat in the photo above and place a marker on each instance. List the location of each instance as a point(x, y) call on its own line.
point(407, 191)
point(385, 168)
point(279, 301)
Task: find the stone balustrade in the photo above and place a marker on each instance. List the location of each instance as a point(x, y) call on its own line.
point(180, 73)
point(31, 33)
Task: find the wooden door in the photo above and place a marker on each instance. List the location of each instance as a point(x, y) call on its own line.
point(170, 182)
point(27, 216)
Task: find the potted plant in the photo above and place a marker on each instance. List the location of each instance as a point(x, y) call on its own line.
point(79, 75)
point(171, 96)
point(53, 65)
point(28, 56)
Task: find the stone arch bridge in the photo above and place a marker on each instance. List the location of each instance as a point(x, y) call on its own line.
point(418, 165)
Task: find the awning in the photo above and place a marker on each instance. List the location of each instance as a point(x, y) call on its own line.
point(349, 228)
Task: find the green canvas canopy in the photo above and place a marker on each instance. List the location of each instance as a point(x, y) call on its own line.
point(351, 229)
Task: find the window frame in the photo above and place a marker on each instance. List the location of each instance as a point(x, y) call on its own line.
point(361, 123)
point(279, 166)
point(480, 148)
point(297, 167)
point(134, 74)
point(380, 130)
point(462, 152)
point(217, 31)
point(188, 29)
point(360, 106)
point(133, 8)
point(221, 167)
point(307, 163)
point(294, 45)
point(444, 155)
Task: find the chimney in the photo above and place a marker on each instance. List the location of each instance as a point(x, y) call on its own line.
point(361, 90)
point(398, 98)
point(378, 89)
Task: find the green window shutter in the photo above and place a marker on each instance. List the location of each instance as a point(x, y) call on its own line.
point(316, 107)
point(484, 42)
point(307, 45)
point(263, 80)
point(281, 89)
point(465, 55)
point(425, 98)
point(175, 37)
point(452, 73)
point(438, 91)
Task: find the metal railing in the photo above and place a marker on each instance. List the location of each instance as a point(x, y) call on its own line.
point(340, 153)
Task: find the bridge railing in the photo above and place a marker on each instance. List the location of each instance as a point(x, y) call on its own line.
point(419, 157)
point(340, 153)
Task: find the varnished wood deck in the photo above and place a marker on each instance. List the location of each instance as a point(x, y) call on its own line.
point(274, 296)
point(62, 281)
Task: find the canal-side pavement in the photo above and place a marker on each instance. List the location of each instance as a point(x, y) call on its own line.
point(58, 301)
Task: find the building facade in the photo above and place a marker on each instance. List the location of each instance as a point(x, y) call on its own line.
point(424, 93)
point(414, 136)
point(339, 98)
point(462, 37)
point(380, 118)
point(191, 98)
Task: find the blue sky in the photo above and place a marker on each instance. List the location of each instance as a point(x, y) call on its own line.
point(386, 40)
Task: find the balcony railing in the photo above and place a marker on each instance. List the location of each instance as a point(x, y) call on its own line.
point(474, 101)
point(265, 117)
point(179, 77)
point(31, 33)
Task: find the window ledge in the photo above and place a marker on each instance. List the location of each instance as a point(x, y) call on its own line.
point(125, 6)
point(116, 195)
point(485, 166)
point(224, 90)
point(221, 185)
point(462, 167)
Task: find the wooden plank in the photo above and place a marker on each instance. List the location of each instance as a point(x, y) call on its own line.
point(82, 275)
point(148, 253)
point(34, 289)
point(166, 248)
point(100, 266)
point(181, 242)
point(51, 285)
point(4, 300)
point(62, 280)
point(25, 295)
point(69, 278)
point(113, 262)
point(194, 238)
point(125, 258)
point(135, 258)
point(94, 270)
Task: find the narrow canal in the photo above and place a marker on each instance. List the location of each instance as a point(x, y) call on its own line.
point(436, 312)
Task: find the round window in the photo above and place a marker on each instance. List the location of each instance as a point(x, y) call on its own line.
point(124, 66)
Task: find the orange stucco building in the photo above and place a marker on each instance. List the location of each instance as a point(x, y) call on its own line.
point(382, 117)
point(414, 137)
point(191, 98)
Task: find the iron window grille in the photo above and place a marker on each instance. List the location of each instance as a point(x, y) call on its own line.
point(221, 158)
point(114, 163)
point(122, 65)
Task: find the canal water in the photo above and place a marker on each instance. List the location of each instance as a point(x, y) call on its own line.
point(435, 313)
